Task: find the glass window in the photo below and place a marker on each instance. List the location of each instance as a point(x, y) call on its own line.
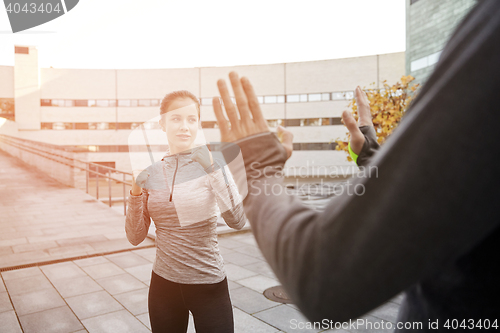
point(91, 102)
point(92, 126)
point(102, 126)
point(206, 101)
point(102, 102)
point(58, 126)
point(112, 102)
point(303, 98)
point(124, 102)
point(314, 97)
point(58, 102)
point(46, 126)
point(274, 122)
point(69, 103)
point(337, 95)
point(292, 98)
point(349, 95)
point(133, 102)
point(260, 99)
point(281, 99)
point(124, 126)
point(82, 126)
point(209, 124)
point(144, 102)
point(46, 102)
point(81, 102)
point(325, 121)
point(155, 102)
point(292, 122)
point(325, 96)
point(310, 122)
point(270, 99)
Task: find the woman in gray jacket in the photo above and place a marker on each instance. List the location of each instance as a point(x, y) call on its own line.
point(181, 193)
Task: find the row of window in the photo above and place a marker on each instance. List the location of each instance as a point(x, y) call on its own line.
point(162, 148)
point(204, 124)
point(274, 99)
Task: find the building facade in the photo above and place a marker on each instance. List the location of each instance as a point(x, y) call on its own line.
point(96, 109)
point(429, 25)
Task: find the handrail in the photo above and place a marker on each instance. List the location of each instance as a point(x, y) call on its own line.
point(23, 145)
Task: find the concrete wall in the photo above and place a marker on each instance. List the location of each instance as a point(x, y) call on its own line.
point(7, 82)
point(27, 90)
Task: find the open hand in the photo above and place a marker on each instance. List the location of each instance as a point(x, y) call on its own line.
point(364, 119)
point(245, 120)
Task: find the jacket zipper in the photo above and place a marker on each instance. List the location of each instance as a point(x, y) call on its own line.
point(173, 178)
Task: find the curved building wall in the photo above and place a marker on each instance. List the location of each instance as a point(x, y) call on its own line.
point(97, 108)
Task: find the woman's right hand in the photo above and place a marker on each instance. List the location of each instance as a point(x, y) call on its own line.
point(139, 182)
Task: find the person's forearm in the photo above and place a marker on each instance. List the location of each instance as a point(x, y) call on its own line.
point(137, 220)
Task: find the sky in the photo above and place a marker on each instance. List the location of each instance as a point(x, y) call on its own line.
point(183, 33)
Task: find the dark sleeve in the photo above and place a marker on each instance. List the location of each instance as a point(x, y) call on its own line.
point(370, 146)
point(426, 198)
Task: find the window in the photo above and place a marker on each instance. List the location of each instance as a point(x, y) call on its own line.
point(46, 126)
point(82, 126)
point(314, 97)
point(81, 102)
point(58, 102)
point(155, 102)
point(46, 102)
point(21, 50)
point(124, 102)
point(260, 99)
point(274, 122)
point(112, 102)
point(292, 122)
point(349, 94)
point(133, 102)
point(102, 102)
point(92, 102)
point(124, 126)
point(270, 99)
point(144, 102)
point(292, 98)
point(209, 124)
point(337, 95)
point(281, 99)
point(69, 103)
point(325, 96)
point(310, 122)
point(303, 97)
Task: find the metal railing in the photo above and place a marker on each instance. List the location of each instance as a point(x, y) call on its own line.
point(37, 148)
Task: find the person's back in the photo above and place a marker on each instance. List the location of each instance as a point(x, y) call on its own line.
point(427, 221)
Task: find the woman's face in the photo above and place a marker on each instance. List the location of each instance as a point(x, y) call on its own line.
point(181, 124)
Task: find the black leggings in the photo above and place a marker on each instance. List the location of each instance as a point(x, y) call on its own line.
point(169, 305)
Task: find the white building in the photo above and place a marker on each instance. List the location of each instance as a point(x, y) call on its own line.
point(96, 109)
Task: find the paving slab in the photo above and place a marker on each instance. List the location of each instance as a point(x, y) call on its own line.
point(43, 220)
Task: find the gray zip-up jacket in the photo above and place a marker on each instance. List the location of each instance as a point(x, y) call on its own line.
point(184, 200)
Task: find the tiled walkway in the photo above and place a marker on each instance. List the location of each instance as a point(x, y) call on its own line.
point(109, 294)
point(43, 220)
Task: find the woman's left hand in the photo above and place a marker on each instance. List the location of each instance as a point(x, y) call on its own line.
point(202, 155)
